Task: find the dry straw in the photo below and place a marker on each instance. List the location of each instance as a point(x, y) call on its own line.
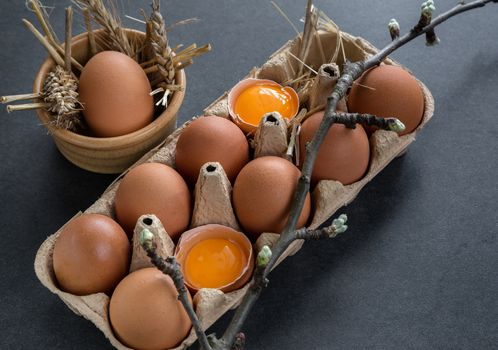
point(59, 94)
point(116, 37)
point(159, 40)
point(51, 41)
point(166, 61)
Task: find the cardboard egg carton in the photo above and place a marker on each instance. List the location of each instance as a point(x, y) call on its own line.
point(213, 190)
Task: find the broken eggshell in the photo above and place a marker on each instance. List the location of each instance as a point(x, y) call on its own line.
point(245, 84)
point(196, 235)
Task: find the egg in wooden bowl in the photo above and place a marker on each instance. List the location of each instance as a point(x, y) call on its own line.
point(110, 154)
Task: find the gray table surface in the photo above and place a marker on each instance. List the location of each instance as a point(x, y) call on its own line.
point(416, 270)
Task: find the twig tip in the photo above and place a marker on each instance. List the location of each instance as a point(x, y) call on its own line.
point(394, 29)
point(396, 125)
point(339, 225)
point(146, 237)
point(428, 7)
point(264, 256)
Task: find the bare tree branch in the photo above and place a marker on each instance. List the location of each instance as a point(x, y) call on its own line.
point(351, 72)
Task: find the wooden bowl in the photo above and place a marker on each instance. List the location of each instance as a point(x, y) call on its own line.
point(109, 155)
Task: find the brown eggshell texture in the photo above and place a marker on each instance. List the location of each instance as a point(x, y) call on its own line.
point(263, 194)
point(391, 92)
point(154, 188)
point(91, 255)
point(145, 312)
point(343, 156)
point(211, 139)
point(115, 93)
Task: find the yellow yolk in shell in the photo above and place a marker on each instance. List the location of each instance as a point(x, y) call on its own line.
point(257, 100)
point(214, 263)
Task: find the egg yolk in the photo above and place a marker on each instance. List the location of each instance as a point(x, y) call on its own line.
point(257, 100)
point(214, 263)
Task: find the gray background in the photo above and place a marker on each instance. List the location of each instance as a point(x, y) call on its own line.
point(417, 268)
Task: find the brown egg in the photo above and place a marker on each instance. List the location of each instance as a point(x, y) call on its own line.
point(145, 312)
point(115, 93)
point(91, 255)
point(153, 188)
point(211, 139)
point(263, 193)
point(388, 91)
point(343, 156)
